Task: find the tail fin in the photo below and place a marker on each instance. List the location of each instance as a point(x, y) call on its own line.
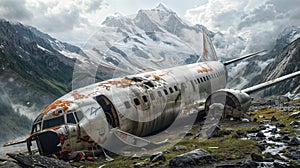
point(209, 53)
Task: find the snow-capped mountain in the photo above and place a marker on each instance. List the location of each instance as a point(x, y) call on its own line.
point(152, 39)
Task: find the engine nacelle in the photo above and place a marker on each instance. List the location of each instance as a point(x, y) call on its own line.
point(236, 103)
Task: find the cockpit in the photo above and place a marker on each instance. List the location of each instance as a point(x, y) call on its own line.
point(62, 118)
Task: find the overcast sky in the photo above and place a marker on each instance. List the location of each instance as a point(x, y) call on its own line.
point(74, 21)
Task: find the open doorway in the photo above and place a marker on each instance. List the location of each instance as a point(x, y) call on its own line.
point(109, 110)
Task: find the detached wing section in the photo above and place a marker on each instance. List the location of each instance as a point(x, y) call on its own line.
point(267, 84)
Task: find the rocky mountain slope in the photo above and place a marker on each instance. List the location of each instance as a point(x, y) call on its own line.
point(35, 69)
point(286, 62)
point(281, 60)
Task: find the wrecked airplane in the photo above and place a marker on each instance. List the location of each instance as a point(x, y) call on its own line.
point(119, 112)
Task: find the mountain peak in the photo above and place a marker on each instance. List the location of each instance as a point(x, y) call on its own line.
point(162, 8)
point(289, 34)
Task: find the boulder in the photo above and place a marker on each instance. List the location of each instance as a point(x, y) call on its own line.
point(263, 127)
point(140, 164)
point(295, 115)
point(285, 138)
point(9, 164)
point(249, 164)
point(281, 165)
point(257, 157)
point(179, 148)
point(38, 160)
point(280, 125)
point(260, 134)
point(294, 155)
point(294, 123)
point(273, 119)
point(192, 158)
point(212, 131)
point(134, 156)
point(274, 131)
point(253, 130)
point(157, 157)
point(294, 141)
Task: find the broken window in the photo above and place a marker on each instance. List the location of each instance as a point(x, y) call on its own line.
point(145, 99)
point(79, 115)
point(171, 90)
point(159, 93)
point(152, 96)
point(127, 104)
point(36, 127)
point(198, 80)
point(149, 83)
point(165, 91)
point(176, 88)
point(71, 118)
point(38, 118)
point(136, 101)
point(53, 122)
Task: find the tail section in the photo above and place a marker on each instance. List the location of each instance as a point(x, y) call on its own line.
point(209, 53)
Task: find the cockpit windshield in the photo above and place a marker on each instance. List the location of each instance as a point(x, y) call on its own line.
point(38, 118)
point(53, 122)
point(71, 118)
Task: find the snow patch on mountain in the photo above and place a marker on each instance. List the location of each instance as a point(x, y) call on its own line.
point(289, 34)
point(153, 39)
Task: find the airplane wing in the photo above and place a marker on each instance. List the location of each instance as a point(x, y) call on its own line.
point(243, 57)
point(264, 85)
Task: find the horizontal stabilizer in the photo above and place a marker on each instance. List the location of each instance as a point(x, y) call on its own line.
point(15, 143)
point(264, 85)
point(243, 57)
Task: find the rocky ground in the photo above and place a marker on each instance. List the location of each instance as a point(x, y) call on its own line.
point(270, 138)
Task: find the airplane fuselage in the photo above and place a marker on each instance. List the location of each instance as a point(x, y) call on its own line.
point(139, 104)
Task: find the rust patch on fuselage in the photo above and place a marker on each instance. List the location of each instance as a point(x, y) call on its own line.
point(77, 96)
point(62, 138)
point(157, 76)
point(205, 50)
point(166, 73)
point(204, 68)
point(123, 83)
point(64, 104)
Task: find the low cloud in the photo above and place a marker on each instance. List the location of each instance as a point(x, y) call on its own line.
point(68, 20)
point(259, 22)
point(14, 10)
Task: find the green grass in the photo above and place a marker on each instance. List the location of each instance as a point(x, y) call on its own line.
point(281, 116)
point(224, 148)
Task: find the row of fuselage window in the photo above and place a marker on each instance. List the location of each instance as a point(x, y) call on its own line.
point(172, 89)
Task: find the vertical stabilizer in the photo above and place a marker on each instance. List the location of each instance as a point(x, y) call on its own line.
point(209, 53)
